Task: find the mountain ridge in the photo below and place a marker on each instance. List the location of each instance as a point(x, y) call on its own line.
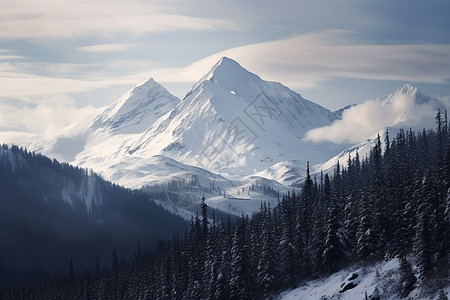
point(231, 123)
point(137, 109)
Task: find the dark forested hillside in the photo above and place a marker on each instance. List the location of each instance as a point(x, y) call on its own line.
point(53, 213)
point(394, 203)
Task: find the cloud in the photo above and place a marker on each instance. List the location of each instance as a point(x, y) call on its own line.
point(299, 62)
point(445, 100)
point(106, 48)
point(51, 113)
point(365, 120)
point(306, 60)
point(16, 85)
point(5, 54)
point(53, 19)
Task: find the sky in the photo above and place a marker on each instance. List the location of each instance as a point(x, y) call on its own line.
point(63, 60)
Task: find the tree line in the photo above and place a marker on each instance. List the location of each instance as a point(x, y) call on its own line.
point(52, 211)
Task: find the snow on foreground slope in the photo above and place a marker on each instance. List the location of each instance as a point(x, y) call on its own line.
point(383, 276)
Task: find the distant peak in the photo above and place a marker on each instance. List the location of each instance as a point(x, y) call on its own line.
point(226, 65)
point(408, 89)
point(412, 92)
point(140, 105)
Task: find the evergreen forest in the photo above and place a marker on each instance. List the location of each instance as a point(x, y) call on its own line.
point(393, 203)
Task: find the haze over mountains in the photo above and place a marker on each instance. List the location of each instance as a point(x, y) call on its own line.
point(232, 131)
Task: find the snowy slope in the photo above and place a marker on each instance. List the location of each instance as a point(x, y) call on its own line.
point(234, 123)
point(131, 114)
point(383, 276)
point(136, 110)
point(288, 173)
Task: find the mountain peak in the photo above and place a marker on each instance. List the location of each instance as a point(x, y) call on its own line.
point(149, 82)
point(225, 64)
point(229, 74)
point(139, 106)
point(226, 69)
point(412, 92)
point(408, 89)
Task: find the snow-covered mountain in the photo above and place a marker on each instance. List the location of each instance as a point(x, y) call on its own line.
point(407, 107)
point(138, 109)
point(232, 131)
point(413, 92)
point(231, 123)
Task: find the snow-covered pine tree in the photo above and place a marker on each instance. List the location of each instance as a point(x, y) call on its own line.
point(366, 244)
point(407, 277)
point(335, 243)
point(422, 240)
point(266, 277)
point(240, 281)
point(224, 273)
point(286, 248)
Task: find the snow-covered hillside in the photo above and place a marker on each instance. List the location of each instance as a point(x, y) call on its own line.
point(381, 279)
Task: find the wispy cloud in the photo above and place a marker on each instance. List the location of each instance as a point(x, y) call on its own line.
point(42, 115)
point(365, 120)
point(106, 48)
point(300, 62)
point(306, 60)
point(15, 85)
point(5, 54)
point(20, 19)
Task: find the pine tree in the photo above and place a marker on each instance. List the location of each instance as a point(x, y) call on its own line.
point(422, 240)
point(205, 222)
point(366, 244)
point(307, 199)
point(195, 261)
point(224, 276)
point(165, 278)
point(240, 281)
point(440, 141)
point(287, 245)
point(407, 277)
point(335, 242)
point(266, 276)
point(377, 197)
point(211, 266)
